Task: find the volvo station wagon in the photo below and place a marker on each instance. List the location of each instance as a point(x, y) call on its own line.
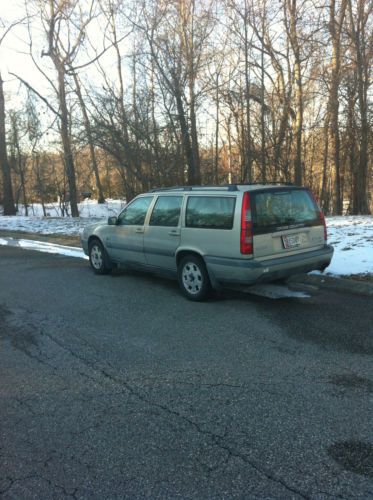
point(210, 237)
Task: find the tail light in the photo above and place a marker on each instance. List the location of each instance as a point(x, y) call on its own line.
point(321, 215)
point(246, 226)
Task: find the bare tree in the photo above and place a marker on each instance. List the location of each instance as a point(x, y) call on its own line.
point(57, 16)
point(8, 198)
point(291, 20)
point(177, 34)
point(89, 135)
point(64, 24)
point(9, 208)
point(18, 158)
point(335, 26)
point(360, 34)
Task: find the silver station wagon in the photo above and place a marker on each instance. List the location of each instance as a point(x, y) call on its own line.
point(214, 236)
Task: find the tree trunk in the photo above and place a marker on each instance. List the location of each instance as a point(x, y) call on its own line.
point(193, 175)
point(324, 198)
point(216, 159)
point(298, 167)
point(65, 136)
point(247, 144)
point(88, 131)
point(9, 208)
point(362, 60)
point(262, 113)
point(335, 29)
point(194, 135)
point(292, 10)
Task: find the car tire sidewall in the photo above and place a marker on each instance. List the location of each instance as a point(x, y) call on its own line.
point(105, 265)
point(205, 287)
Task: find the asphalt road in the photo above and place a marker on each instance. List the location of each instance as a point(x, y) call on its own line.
point(118, 387)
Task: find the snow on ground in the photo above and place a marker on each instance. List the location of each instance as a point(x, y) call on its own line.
point(42, 246)
point(351, 236)
point(90, 212)
point(352, 239)
point(87, 208)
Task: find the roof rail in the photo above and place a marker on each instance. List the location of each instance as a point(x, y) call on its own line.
point(265, 183)
point(228, 187)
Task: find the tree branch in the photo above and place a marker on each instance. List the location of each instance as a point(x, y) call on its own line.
point(57, 113)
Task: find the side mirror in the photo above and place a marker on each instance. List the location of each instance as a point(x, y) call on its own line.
point(112, 221)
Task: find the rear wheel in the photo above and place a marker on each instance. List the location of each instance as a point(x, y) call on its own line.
point(98, 258)
point(193, 278)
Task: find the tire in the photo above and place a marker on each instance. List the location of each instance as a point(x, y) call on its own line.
point(193, 278)
point(98, 258)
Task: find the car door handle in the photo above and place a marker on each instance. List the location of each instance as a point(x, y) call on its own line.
point(139, 230)
point(174, 233)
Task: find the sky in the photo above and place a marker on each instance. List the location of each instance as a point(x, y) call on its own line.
point(15, 58)
point(14, 47)
point(15, 50)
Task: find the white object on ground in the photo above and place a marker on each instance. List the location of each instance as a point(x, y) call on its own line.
point(42, 246)
point(273, 291)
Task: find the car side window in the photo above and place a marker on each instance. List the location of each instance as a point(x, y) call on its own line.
point(210, 212)
point(166, 211)
point(135, 213)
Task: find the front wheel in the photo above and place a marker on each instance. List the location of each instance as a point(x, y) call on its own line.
point(193, 278)
point(98, 258)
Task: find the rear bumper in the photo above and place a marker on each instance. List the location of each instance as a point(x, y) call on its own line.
point(248, 272)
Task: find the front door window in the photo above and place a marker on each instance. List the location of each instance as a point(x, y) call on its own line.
point(135, 213)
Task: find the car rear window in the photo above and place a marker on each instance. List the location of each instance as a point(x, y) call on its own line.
point(277, 209)
point(210, 212)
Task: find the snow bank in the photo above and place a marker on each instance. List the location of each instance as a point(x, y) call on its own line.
point(41, 246)
point(87, 208)
point(90, 212)
point(352, 239)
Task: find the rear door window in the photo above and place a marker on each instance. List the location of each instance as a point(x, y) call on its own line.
point(210, 212)
point(166, 211)
point(276, 210)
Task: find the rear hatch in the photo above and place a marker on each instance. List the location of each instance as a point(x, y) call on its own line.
point(286, 221)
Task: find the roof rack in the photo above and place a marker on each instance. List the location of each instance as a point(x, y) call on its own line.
point(228, 187)
point(266, 183)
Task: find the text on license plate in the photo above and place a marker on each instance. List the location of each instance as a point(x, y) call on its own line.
point(294, 240)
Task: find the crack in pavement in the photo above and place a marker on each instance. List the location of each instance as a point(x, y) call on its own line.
point(104, 372)
point(13, 481)
point(216, 438)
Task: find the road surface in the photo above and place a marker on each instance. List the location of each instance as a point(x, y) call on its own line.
point(118, 387)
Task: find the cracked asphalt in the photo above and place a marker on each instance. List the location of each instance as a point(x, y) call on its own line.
point(118, 387)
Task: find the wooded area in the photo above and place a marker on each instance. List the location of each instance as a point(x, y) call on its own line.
point(151, 93)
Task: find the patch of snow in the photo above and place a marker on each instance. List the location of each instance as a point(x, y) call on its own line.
point(352, 239)
point(272, 291)
point(90, 213)
point(41, 246)
point(87, 208)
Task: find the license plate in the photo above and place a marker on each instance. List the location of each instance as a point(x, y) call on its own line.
point(294, 240)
